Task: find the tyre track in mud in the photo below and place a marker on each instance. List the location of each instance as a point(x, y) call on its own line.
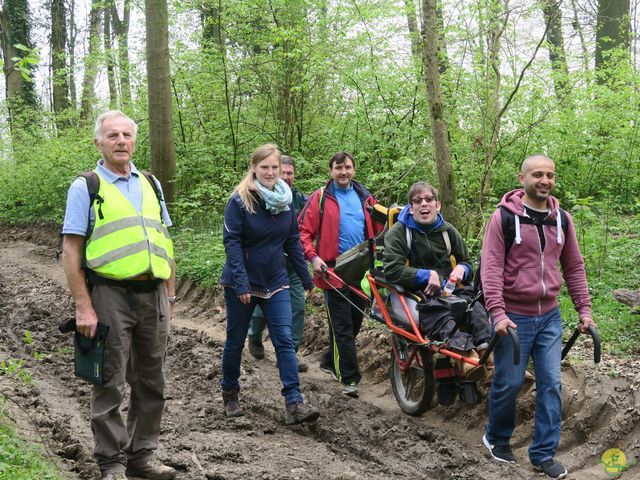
point(366, 438)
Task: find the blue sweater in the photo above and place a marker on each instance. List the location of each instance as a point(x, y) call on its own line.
point(256, 244)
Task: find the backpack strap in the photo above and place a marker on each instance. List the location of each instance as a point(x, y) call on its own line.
point(154, 184)
point(321, 201)
point(509, 225)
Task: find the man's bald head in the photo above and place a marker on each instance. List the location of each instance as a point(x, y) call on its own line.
point(528, 162)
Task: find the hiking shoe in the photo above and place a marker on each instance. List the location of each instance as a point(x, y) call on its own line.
point(501, 453)
point(256, 349)
point(300, 412)
point(302, 367)
point(153, 469)
point(351, 390)
point(113, 476)
point(231, 403)
point(552, 468)
point(330, 371)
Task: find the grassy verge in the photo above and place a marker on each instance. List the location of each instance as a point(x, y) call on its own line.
point(21, 460)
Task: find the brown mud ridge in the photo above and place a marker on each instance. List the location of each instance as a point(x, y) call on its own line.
point(366, 438)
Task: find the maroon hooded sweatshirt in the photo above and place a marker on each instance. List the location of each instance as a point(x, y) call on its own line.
point(527, 280)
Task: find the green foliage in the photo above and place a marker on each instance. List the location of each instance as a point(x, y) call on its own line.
point(20, 460)
point(15, 369)
point(608, 245)
point(201, 256)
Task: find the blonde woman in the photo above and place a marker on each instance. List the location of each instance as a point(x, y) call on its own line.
point(260, 232)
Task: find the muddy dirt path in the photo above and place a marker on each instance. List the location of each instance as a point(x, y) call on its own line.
point(354, 439)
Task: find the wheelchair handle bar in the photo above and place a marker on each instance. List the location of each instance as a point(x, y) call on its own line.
point(492, 344)
point(596, 343)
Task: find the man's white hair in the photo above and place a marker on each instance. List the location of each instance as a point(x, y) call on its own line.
point(107, 115)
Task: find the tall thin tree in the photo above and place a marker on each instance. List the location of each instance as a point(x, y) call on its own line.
point(60, 73)
point(163, 153)
point(439, 127)
point(91, 62)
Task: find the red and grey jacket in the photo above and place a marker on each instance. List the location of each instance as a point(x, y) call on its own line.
point(526, 280)
point(319, 236)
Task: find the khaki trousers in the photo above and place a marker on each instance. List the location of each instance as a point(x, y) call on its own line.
point(134, 351)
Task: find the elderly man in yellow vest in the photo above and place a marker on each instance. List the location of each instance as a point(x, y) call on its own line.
point(118, 259)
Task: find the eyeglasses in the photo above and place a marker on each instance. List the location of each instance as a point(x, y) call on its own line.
point(419, 200)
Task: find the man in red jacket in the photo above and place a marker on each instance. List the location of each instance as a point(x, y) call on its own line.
point(335, 219)
point(521, 284)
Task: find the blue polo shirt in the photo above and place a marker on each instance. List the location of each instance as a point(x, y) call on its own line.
point(76, 219)
point(351, 218)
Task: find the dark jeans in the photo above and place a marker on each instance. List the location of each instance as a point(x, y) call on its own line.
point(277, 310)
point(344, 325)
point(296, 290)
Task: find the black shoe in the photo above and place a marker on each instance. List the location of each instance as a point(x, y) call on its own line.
point(300, 412)
point(256, 349)
point(552, 468)
point(501, 453)
point(330, 371)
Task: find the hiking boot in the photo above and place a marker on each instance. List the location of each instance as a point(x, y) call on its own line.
point(153, 469)
point(470, 372)
point(113, 476)
point(256, 349)
point(330, 371)
point(552, 468)
point(302, 367)
point(501, 453)
point(300, 412)
point(351, 390)
point(231, 404)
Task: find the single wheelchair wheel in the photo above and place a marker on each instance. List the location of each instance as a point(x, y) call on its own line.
point(414, 389)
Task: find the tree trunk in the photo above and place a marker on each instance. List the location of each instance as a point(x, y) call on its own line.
point(73, 34)
point(414, 33)
point(108, 54)
point(553, 18)
point(210, 18)
point(163, 154)
point(439, 128)
point(59, 59)
point(612, 31)
point(91, 62)
point(121, 30)
point(583, 43)
point(20, 92)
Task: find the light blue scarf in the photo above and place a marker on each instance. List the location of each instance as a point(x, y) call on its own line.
point(278, 199)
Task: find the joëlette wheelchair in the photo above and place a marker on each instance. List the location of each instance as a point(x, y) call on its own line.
point(421, 367)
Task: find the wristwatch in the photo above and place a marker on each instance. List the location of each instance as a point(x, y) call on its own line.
point(172, 300)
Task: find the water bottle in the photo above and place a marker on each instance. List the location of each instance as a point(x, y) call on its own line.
point(449, 286)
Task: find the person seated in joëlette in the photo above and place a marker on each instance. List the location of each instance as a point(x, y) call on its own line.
point(423, 251)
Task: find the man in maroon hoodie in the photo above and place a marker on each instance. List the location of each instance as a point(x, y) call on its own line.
point(521, 284)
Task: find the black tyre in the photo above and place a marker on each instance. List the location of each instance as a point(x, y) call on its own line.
point(414, 390)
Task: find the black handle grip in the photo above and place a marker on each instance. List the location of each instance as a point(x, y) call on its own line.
point(597, 351)
point(492, 344)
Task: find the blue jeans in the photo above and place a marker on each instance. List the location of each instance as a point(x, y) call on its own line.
point(296, 290)
point(278, 313)
point(540, 339)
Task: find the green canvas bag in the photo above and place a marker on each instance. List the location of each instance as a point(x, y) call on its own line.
point(89, 352)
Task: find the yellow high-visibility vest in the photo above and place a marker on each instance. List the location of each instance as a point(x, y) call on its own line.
point(125, 243)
